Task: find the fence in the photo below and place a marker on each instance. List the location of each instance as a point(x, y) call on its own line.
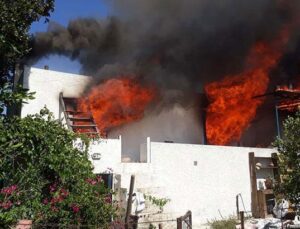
point(183, 222)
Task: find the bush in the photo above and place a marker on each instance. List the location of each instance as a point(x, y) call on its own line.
point(229, 223)
point(289, 160)
point(45, 178)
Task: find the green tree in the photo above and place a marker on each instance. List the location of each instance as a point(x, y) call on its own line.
point(45, 178)
point(289, 159)
point(15, 20)
point(42, 175)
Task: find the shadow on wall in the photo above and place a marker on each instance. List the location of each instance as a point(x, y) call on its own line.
point(177, 124)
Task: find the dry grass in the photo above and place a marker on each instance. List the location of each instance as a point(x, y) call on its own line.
point(229, 223)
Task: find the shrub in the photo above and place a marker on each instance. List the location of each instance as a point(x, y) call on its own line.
point(229, 223)
point(45, 178)
point(289, 161)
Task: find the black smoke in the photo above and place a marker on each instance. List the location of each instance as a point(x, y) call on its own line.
point(174, 43)
point(177, 45)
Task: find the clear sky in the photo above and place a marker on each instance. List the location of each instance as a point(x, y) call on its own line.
point(66, 10)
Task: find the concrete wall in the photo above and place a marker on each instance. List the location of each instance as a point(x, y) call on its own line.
point(176, 123)
point(211, 185)
point(48, 84)
point(110, 151)
point(201, 178)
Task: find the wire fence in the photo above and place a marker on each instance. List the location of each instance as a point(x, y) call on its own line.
point(168, 224)
point(158, 224)
point(154, 224)
point(152, 221)
point(60, 226)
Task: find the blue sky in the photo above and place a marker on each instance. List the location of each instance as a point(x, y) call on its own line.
point(66, 10)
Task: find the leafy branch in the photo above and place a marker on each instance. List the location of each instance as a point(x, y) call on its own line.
point(159, 202)
point(8, 98)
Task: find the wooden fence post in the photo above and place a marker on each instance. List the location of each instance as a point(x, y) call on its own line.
point(190, 218)
point(186, 219)
point(237, 206)
point(242, 220)
point(129, 202)
point(254, 201)
point(179, 223)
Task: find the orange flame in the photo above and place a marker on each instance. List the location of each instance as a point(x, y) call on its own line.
point(232, 106)
point(116, 102)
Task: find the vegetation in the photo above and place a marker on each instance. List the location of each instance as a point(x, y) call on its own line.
point(43, 175)
point(9, 98)
point(151, 226)
point(229, 223)
point(289, 160)
point(159, 202)
point(15, 21)
point(45, 178)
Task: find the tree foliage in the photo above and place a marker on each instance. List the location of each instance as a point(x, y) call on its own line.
point(15, 20)
point(16, 97)
point(45, 178)
point(289, 159)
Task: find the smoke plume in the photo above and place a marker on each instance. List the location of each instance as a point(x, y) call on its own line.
point(175, 44)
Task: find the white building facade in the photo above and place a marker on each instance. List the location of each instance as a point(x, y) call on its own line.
point(202, 178)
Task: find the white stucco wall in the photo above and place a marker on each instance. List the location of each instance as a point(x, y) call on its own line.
point(208, 189)
point(110, 151)
point(176, 123)
point(211, 186)
point(48, 84)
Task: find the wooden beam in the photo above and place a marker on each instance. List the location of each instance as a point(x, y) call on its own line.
point(237, 206)
point(179, 223)
point(62, 104)
point(242, 220)
point(276, 168)
point(129, 202)
point(252, 170)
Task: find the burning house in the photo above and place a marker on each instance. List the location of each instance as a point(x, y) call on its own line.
point(197, 177)
point(179, 97)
